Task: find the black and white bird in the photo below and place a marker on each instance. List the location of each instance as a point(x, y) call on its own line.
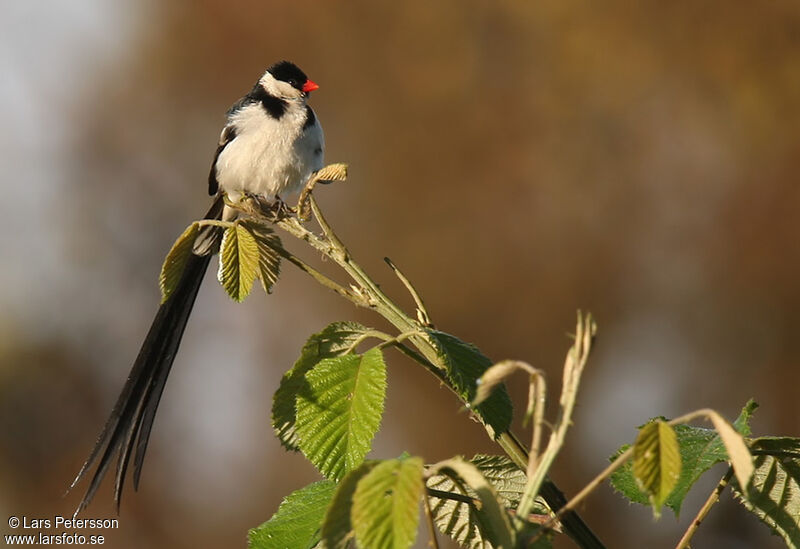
point(272, 143)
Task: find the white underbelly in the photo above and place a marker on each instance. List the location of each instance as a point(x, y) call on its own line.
point(269, 157)
point(254, 165)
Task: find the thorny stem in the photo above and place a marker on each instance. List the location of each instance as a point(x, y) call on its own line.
point(701, 514)
point(371, 296)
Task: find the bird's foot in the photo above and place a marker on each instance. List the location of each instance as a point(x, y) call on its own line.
point(278, 209)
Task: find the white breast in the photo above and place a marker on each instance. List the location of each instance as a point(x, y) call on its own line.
point(269, 156)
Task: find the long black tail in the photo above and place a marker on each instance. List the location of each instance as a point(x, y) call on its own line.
point(131, 420)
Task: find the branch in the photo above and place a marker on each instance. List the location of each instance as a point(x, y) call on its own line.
point(365, 292)
point(354, 298)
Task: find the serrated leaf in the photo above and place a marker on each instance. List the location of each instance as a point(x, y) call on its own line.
point(333, 341)
point(340, 410)
point(296, 525)
point(175, 262)
point(700, 449)
point(269, 260)
point(337, 528)
point(464, 365)
point(742, 423)
point(656, 462)
point(773, 494)
point(460, 520)
point(238, 262)
point(506, 478)
point(385, 510)
point(491, 518)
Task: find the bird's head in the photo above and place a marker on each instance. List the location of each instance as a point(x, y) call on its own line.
point(285, 80)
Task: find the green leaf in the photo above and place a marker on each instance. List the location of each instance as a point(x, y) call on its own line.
point(464, 365)
point(296, 525)
point(462, 521)
point(339, 412)
point(385, 509)
point(773, 494)
point(269, 260)
point(700, 450)
point(742, 423)
point(238, 262)
point(337, 528)
point(491, 518)
point(175, 262)
point(656, 462)
point(333, 341)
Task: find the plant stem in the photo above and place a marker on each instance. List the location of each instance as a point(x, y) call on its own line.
point(620, 459)
point(322, 279)
point(452, 496)
point(368, 293)
point(573, 367)
point(434, 543)
point(365, 336)
point(537, 399)
point(422, 313)
point(701, 514)
point(589, 488)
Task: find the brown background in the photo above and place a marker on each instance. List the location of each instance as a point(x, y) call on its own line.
point(517, 160)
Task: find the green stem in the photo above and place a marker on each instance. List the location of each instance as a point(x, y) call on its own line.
point(365, 336)
point(422, 313)
point(321, 278)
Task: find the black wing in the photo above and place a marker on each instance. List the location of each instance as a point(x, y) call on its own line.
point(228, 135)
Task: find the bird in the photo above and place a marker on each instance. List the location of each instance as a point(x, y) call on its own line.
point(270, 145)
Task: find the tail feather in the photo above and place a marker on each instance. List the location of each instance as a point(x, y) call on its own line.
point(130, 423)
point(156, 386)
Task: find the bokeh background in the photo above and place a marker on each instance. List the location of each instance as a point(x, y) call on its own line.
point(518, 160)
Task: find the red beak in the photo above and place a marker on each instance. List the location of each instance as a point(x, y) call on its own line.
point(310, 86)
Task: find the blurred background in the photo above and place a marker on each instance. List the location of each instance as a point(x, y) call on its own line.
point(517, 160)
